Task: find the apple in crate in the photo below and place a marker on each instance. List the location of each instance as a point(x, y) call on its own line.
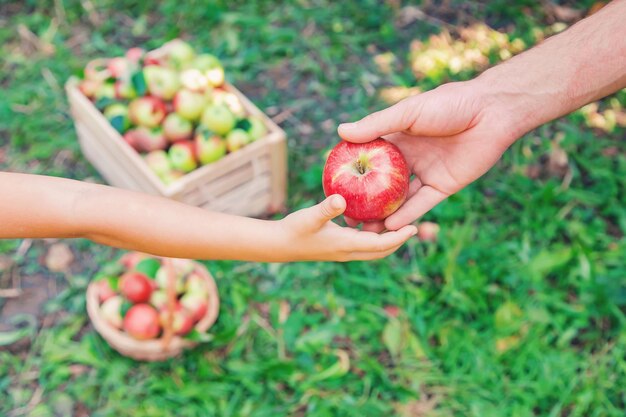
point(142, 322)
point(124, 90)
point(162, 82)
point(189, 104)
point(211, 67)
point(143, 139)
point(135, 55)
point(209, 147)
point(194, 80)
point(236, 139)
point(196, 303)
point(147, 111)
point(218, 118)
point(177, 128)
point(111, 311)
point(136, 287)
point(89, 87)
point(257, 128)
point(171, 177)
point(182, 322)
point(158, 162)
point(228, 99)
point(372, 177)
point(118, 66)
point(105, 90)
point(182, 156)
point(179, 54)
point(117, 115)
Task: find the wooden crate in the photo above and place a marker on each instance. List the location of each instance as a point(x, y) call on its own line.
point(249, 182)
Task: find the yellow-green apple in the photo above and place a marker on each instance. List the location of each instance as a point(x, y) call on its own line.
point(171, 177)
point(111, 311)
point(162, 279)
point(182, 156)
point(196, 303)
point(218, 118)
point(211, 67)
point(162, 82)
point(135, 287)
point(372, 177)
point(196, 283)
point(228, 99)
point(117, 115)
point(182, 322)
point(159, 299)
point(147, 111)
point(124, 89)
point(143, 139)
point(209, 146)
point(89, 87)
point(257, 128)
point(194, 80)
point(142, 322)
point(189, 104)
point(105, 90)
point(118, 66)
point(236, 139)
point(104, 290)
point(177, 128)
point(179, 53)
point(158, 162)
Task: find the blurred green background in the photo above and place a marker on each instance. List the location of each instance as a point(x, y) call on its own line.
point(517, 310)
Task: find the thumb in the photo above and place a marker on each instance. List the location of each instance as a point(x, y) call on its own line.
point(327, 210)
point(390, 120)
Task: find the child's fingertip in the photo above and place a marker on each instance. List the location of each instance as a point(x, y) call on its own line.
point(337, 202)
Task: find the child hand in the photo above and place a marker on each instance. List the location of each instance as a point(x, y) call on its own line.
point(312, 236)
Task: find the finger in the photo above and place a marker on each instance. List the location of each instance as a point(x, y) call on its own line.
point(373, 242)
point(376, 227)
point(392, 119)
point(370, 256)
point(415, 185)
point(325, 211)
point(422, 201)
point(351, 222)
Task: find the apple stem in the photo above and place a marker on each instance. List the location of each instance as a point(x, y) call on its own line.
point(360, 167)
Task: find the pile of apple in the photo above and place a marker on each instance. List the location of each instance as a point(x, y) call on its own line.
point(136, 301)
point(170, 105)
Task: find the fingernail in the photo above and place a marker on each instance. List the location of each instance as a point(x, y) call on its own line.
point(348, 126)
point(335, 202)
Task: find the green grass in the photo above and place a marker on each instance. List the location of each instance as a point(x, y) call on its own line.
point(518, 310)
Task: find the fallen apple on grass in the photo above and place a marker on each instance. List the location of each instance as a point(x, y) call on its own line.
point(372, 177)
point(142, 322)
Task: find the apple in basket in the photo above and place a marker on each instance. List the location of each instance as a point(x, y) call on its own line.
point(142, 322)
point(136, 287)
point(182, 322)
point(111, 311)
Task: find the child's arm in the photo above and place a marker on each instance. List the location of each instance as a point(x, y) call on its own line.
point(34, 206)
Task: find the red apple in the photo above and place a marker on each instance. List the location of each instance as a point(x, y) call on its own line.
point(162, 82)
point(177, 128)
point(136, 287)
point(196, 303)
point(118, 66)
point(111, 311)
point(142, 322)
point(189, 104)
point(182, 156)
point(104, 290)
point(209, 147)
point(373, 178)
point(182, 322)
point(147, 111)
point(143, 139)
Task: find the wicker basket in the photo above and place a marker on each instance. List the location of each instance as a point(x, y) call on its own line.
point(249, 182)
point(156, 349)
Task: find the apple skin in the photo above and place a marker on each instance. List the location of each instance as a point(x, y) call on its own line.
point(147, 111)
point(105, 90)
point(218, 118)
point(118, 66)
point(124, 90)
point(89, 87)
point(130, 260)
point(257, 128)
point(136, 287)
point(196, 303)
point(182, 322)
point(118, 110)
point(171, 177)
point(196, 284)
point(211, 67)
point(162, 82)
point(158, 162)
point(189, 104)
point(159, 299)
point(209, 147)
point(179, 54)
point(194, 80)
point(111, 311)
point(142, 322)
point(372, 177)
point(143, 139)
point(182, 156)
point(105, 291)
point(228, 99)
point(135, 55)
point(162, 278)
point(236, 139)
point(177, 128)
point(428, 231)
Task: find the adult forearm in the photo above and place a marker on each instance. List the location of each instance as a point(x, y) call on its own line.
point(567, 71)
